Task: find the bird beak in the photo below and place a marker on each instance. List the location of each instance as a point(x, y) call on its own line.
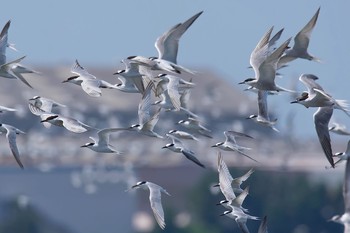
point(294, 102)
point(83, 146)
point(241, 82)
point(64, 81)
point(164, 147)
point(216, 185)
point(222, 214)
point(214, 146)
point(43, 121)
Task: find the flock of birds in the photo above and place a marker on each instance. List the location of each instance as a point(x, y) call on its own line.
point(159, 80)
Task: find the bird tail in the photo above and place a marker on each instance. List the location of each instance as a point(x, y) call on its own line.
point(343, 105)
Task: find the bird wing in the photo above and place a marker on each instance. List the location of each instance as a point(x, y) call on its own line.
point(103, 135)
point(260, 52)
point(91, 87)
point(225, 179)
point(321, 119)
point(4, 42)
point(11, 137)
point(168, 43)
point(173, 92)
point(79, 70)
point(156, 204)
point(262, 104)
point(73, 125)
point(190, 155)
point(241, 179)
point(302, 39)
point(267, 69)
point(243, 227)
point(145, 105)
point(309, 81)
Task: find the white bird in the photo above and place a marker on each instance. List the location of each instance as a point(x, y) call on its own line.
point(101, 144)
point(263, 114)
point(301, 44)
point(317, 97)
point(344, 219)
point(240, 217)
point(182, 134)
point(230, 143)
point(8, 70)
point(11, 133)
point(45, 104)
point(146, 121)
point(131, 78)
point(339, 129)
point(264, 64)
point(236, 202)
point(342, 156)
point(321, 119)
point(88, 82)
point(195, 126)
point(155, 199)
point(167, 44)
point(178, 147)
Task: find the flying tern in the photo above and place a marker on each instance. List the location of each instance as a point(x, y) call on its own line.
point(263, 115)
point(11, 133)
point(146, 121)
point(178, 147)
point(195, 126)
point(69, 123)
point(240, 217)
point(317, 97)
point(88, 82)
point(130, 77)
point(182, 134)
point(101, 144)
point(339, 129)
point(301, 44)
point(155, 199)
point(343, 156)
point(230, 143)
point(264, 64)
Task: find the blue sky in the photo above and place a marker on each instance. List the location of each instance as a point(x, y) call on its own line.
point(104, 32)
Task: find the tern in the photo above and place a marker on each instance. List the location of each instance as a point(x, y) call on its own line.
point(344, 219)
point(45, 104)
point(317, 97)
point(264, 64)
point(321, 119)
point(177, 146)
point(230, 143)
point(11, 133)
point(343, 155)
point(182, 134)
point(155, 199)
point(167, 44)
point(146, 121)
point(263, 115)
point(132, 80)
point(195, 126)
point(69, 123)
point(301, 44)
point(101, 144)
point(240, 217)
point(236, 202)
point(339, 129)
point(88, 82)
